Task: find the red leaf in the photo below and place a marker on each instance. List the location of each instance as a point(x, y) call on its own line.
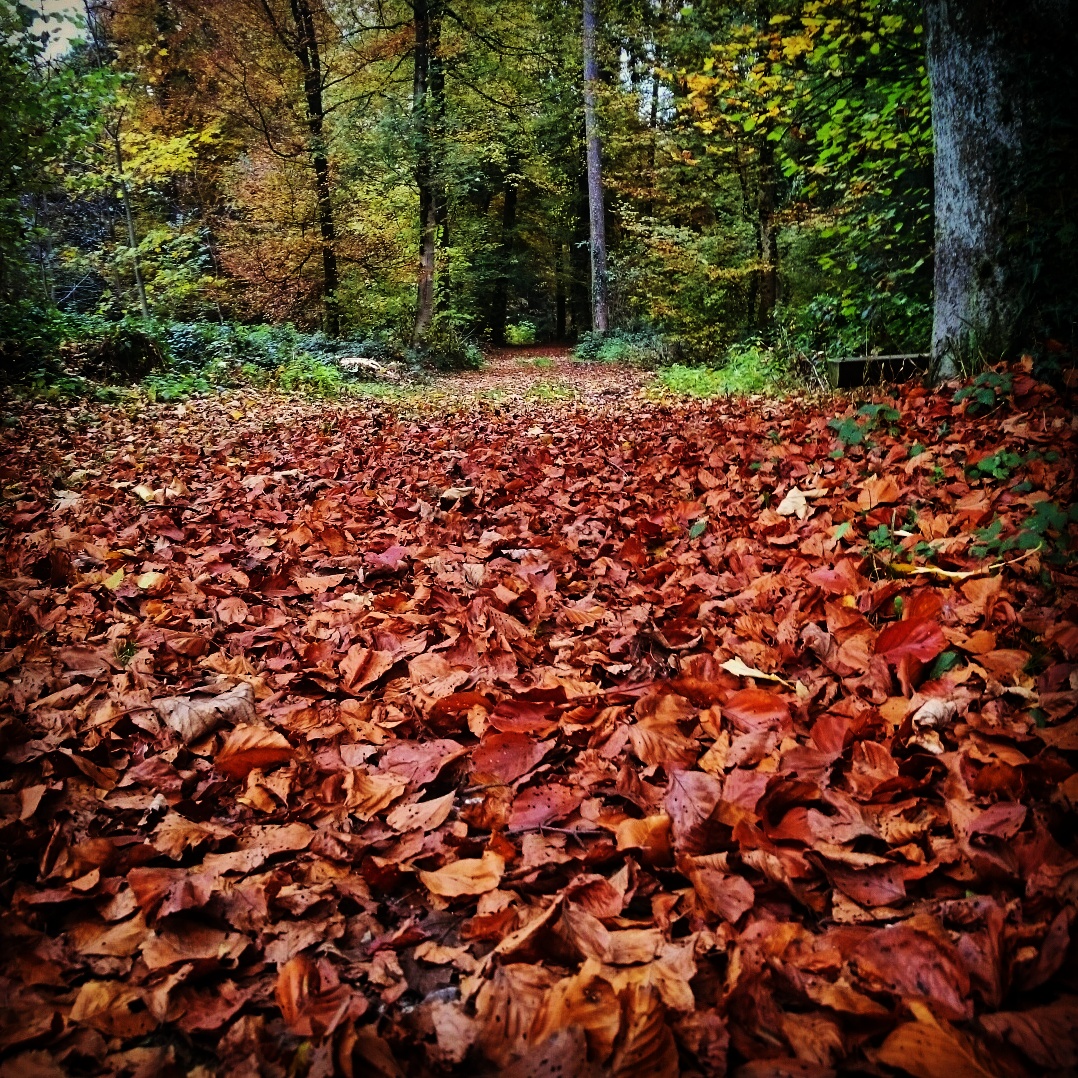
point(919, 638)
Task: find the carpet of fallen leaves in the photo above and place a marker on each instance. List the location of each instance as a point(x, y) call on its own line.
point(538, 739)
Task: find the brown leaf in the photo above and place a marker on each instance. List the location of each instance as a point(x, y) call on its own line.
point(308, 1008)
point(195, 717)
point(919, 638)
point(647, 1049)
point(421, 815)
point(471, 876)
point(928, 1050)
point(248, 747)
point(362, 667)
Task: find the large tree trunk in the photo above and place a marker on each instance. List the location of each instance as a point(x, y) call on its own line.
point(1003, 115)
point(597, 218)
point(311, 65)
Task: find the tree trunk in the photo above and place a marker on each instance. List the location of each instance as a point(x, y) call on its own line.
point(559, 291)
point(509, 224)
point(311, 65)
point(767, 237)
point(125, 197)
point(597, 218)
point(437, 139)
point(579, 261)
point(425, 43)
point(1003, 117)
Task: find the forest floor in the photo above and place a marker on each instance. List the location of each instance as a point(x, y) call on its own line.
point(542, 375)
point(561, 733)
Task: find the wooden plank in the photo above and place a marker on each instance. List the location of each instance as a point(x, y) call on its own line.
point(850, 371)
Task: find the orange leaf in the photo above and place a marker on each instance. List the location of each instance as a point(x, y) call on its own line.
point(248, 747)
point(472, 876)
point(936, 1051)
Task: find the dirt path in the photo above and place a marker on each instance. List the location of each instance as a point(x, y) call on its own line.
point(544, 374)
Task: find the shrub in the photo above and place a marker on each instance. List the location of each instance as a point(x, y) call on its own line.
point(311, 376)
point(641, 348)
point(446, 348)
point(111, 351)
point(747, 368)
point(521, 333)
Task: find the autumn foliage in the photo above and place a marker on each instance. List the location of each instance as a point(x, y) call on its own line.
point(619, 739)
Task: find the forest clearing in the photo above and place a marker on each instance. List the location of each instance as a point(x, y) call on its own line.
point(538, 538)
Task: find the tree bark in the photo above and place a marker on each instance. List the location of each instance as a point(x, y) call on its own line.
point(559, 292)
point(767, 236)
point(597, 218)
point(1003, 115)
point(509, 224)
point(437, 139)
point(125, 198)
point(426, 24)
point(307, 53)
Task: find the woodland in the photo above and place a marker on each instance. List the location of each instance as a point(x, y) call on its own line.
point(452, 620)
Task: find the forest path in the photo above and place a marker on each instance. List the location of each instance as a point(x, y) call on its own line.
point(544, 374)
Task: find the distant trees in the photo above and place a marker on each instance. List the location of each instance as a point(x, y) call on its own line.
point(444, 171)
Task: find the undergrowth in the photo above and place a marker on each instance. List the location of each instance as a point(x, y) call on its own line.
point(746, 369)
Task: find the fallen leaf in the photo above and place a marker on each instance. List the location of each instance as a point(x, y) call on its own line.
point(248, 747)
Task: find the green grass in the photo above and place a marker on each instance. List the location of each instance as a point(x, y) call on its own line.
point(747, 369)
point(549, 392)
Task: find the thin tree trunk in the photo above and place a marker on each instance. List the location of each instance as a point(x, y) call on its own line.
point(1003, 120)
point(597, 217)
point(132, 243)
point(580, 261)
point(437, 137)
point(509, 225)
point(653, 141)
point(559, 291)
point(428, 209)
point(311, 65)
point(768, 236)
point(751, 214)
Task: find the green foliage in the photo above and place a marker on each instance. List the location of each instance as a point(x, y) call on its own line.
point(176, 385)
point(51, 384)
point(748, 368)
point(521, 333)
point(1048, 526)
point(640, 348)
point(986, 392)
point(107, 351)
point(310, 376)
point(1000, 465)
point(550, 392)
point(884, 539)
point(49, 114)
point(702, 382)
point(448, 348)
point(854, 429)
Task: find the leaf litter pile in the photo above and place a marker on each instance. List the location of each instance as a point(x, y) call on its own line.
point(627, 740)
